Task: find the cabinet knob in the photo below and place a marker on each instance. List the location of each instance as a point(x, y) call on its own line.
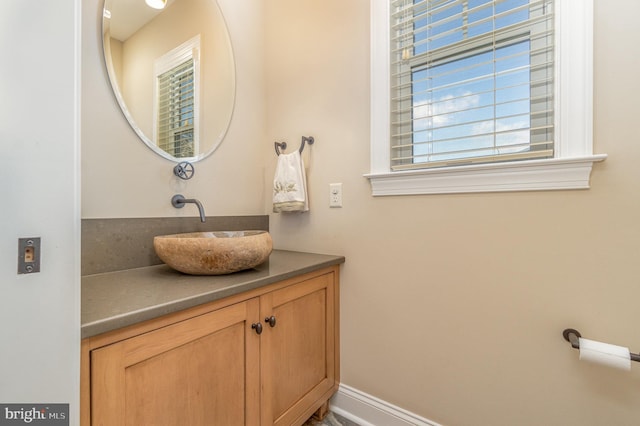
point(271, 320)
point(257, 327)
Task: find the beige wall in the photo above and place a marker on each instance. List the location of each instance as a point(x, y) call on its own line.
point(121, 177)
point(182, 21)
point(452, 305)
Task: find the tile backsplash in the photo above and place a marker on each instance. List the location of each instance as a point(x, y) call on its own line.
point(117, 244)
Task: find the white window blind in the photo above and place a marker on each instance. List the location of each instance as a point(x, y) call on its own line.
point(176, 103)
point(472, 81)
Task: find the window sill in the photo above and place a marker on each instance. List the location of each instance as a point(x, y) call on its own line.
point(534, 175)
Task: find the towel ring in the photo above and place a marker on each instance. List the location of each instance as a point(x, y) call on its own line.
point(283, 145)
point(279, 146)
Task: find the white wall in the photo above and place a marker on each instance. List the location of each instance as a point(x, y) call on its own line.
point(39, 135)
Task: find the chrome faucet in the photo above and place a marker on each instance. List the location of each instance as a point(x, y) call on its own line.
point(178, 201)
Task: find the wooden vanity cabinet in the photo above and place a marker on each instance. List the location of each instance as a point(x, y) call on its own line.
point(195, 372)
point(299, 364)
point(214, 365)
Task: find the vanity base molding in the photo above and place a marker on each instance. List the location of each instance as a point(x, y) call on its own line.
point(268, 356)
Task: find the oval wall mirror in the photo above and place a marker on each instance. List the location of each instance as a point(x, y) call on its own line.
point(172, 72)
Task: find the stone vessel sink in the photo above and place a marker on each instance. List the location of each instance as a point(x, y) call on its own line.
point(213, 253)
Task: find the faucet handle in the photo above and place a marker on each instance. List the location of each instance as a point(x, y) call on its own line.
point(184, 170)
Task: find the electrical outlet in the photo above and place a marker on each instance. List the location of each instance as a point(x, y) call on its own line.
point(335, 195)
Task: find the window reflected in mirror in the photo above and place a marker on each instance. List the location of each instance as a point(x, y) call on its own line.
point(172, 73)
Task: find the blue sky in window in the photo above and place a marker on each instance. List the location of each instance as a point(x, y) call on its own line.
point(459, 104)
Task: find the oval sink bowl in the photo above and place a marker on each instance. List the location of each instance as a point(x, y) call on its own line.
point(213, 253)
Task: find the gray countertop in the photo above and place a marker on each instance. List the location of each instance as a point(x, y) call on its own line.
point(117, 299)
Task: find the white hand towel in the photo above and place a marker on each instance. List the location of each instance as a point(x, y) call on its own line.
point(290, 184)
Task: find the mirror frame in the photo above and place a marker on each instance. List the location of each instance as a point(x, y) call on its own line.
point(115, 88)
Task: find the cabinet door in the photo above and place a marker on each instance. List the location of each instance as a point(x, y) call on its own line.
point(202, 371)
point(298, 363)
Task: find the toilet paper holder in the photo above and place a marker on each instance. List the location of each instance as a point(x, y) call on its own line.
point(572, 336)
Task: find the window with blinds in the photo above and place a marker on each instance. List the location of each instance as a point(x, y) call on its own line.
point(472, 81)
point(176, 103)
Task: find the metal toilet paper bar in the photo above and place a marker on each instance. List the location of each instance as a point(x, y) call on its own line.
point(572, 336)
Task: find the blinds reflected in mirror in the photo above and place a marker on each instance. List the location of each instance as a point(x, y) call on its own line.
point(176, 103)
point(472, 81)
point(176, 100)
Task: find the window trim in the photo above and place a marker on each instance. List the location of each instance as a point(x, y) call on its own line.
point(573, 159)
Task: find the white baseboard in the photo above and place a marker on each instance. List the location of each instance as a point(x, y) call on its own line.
point(367, 410)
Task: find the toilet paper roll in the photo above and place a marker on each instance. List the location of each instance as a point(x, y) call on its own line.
point(604, 353)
